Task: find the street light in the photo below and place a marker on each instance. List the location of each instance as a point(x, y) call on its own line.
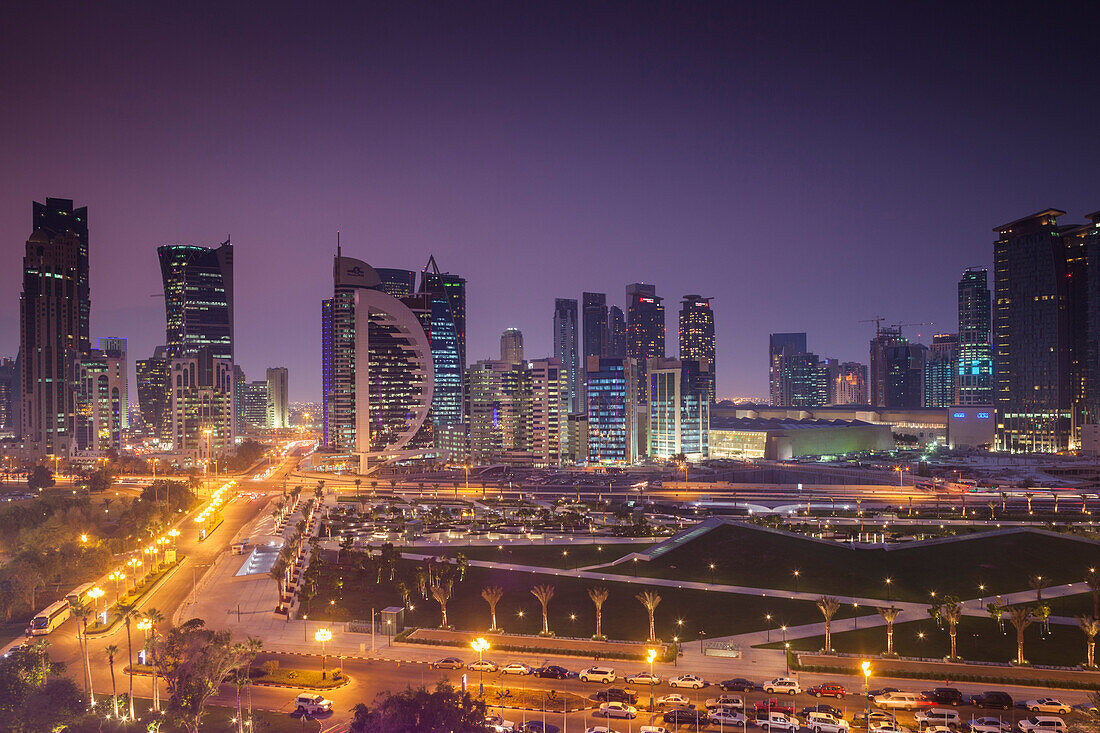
point(95, 594)
point(867, 690)
point(322, 636)
point(480, 645)
point(116, 576)
point(650, 656)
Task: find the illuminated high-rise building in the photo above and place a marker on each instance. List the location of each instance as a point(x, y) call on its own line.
point(886, 338)
point(566, 352)
point(7, 394)
point(679, 408)
point(277, 400)
point(612, 427)
point(444, 297)
point(645, 331)
point(100, 401)
point(115, 346)
point(697, 335)
point(782, 348)
point(850, 384)
point(153, 394)
point(198, 299)
point(57, 218)
point(511, 345)
point(940, 369)
point(616, 333)
point(202, 409)
point(974, 377)
point(594, 314)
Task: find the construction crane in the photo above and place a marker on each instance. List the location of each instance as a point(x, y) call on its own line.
point(899, 326)
point(877, 321)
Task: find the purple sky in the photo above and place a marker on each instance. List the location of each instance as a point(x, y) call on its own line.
point(806, 166)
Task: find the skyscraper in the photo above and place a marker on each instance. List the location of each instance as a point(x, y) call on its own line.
point(153, 393)
point(101, 386)
point(782, 347)
point(595, 324)
point(850, 387)
point(645, 331)
point(444, 302)
point(697, 335)
point(252, 403)
point(679, 408)
point(115, 346)
point(511, 345)
point(7, 392)
point(53, 325)
point(202, 409)
point(884, 339)
point(277, 401)
point(940, 369)
point(565, 351)
point(616, 332)
point(973, 385)
point(454, 288)
point(904, 375)
point(328, 374)
point(612, 405)
point(198, 299)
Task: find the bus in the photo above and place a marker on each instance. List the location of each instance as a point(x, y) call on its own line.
point(50, 618)
point(76, 595)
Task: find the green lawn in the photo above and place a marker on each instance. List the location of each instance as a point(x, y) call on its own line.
point(1076, 605)
point(743, 555)
point(548, 556)
point(571, 611)
point(979, 639)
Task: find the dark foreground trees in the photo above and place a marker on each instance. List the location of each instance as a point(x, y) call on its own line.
point(445, 710)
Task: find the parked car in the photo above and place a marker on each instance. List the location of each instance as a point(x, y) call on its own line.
point(653, 729)
point(992, 699)
point(738, 683)
point(312, 704)
point(877, 718)
point(606, 675)
point(552, 671)
point(782, 685)
point(987, 725)
point(881, 691)
point(600, 729)
point(1047, 705)
point(687, 680)
point(901, 701)
point(725, 718)
point(733, 702)
point(497, 724)
point(447, 663)
point(946, 696)
point(826, 723)
point(643, 678)
point(482, 665)
point(772, 704)
point(821, 708)
point(945, 717)
point(617, 710)
point(681, 716)
point(891, 727)
point(617, 694)
point(1042, 724)
point(535, 726)
point(515, 668)
point(673, 701)
point(777, 721)
point(828, 690)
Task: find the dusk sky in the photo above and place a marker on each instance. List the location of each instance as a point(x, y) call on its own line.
point(807, 165)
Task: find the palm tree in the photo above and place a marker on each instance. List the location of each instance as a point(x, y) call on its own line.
point(127, 612)
point(240, 679)
point(1021, 617)
point(441, 592)
point(828, 607)
point(1093, 582)
point(544, 593)
point(81, 611)
point(1037, 583)
point(319, 490)
point(111, 651)
point(492, 595)
point(889, 615)
point(951, 612)
point(598, 596)
point(1091, 626)
point(1029, 496)
point(997, 611)
point(461, 563)
point(155, 618)
point(650, 600)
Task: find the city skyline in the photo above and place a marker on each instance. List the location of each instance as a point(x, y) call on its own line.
point(607, 187)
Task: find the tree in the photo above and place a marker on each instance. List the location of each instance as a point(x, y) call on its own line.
point(1038, 583)
point(110, 651)
point(598, 596)
point(441, 591)
point(1092, 580)
point(650, 600)
point(997, 611)
point(127, 613)
point(492, 595)
point(889, 615)
point(100, 480)
point(1091, 626)
point(828, 607)
point(40, 478)
point(544, 593)
point(951, 612)
point(195, 660)
point(1020, 617)
point(445, 710)
point(82, 612)
point(152, 646)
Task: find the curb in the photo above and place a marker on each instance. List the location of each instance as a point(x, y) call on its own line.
point(346, 681)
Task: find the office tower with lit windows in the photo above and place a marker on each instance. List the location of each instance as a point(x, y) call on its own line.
point(645, 331)
point(277, 400)
point(595, 323)
point(153, 394)
point(444, 297)
point(679, 408)
point(328, 392)
point(974, 377)
point(886, 338)
point(100, 401)
point(697, 335)
point(499, 392)
point(201, 408)
point(616, 333)
point(781, 348)
point(511, 345)
point(396, 282)
point(252, 404)
point(454, 288)
point(612, 390)
point(566, 352)
point(850, 384)
point(940, 368)
point(198, 299)
point(53, 326)
point(7, 394)
point(115, 347)
point(905, 375)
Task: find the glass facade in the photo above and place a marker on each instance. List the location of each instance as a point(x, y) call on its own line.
point(697, 335)
point(611, 391)
point(679, 408)
point(645, 331)
point(975, 365)
point(198, 299)
point(565, 351)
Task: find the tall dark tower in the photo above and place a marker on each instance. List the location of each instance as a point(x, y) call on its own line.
point(645, 331)
point(53, 325)
point(974, 378)
point(697, 335)
point(445, 301)
point(453, 288)
point(616, 332)
point(198, 299)
point(595, 324)
point(567, 353)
